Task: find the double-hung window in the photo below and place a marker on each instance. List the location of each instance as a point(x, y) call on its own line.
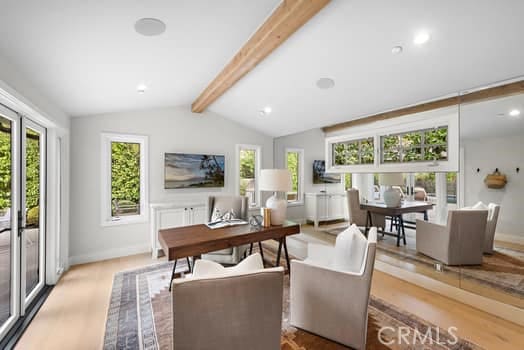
point(248, 171)
point(124, 179)
point(295, 165)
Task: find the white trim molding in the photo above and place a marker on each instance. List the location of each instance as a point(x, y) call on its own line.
point(106, 219)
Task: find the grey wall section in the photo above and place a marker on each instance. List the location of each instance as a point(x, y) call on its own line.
point(169, 130)
point(506, 154)
point(312, 142)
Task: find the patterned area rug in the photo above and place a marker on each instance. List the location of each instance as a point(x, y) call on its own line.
point(140, 317)
point(502, 271)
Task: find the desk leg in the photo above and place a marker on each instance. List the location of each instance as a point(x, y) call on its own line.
point(261, 251)
point(172, 275)
point(287, 256)
point(369, 223)
point(403, 229)
point(251, 249)
point(189, 264)
point(425, 215)
point(279, 251)
point(399, 228)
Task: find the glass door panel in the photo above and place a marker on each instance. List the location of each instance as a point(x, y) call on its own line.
point(33, 199)
point(9, 257)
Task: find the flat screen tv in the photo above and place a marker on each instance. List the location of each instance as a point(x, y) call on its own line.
point(183, 170)
point(320, 176)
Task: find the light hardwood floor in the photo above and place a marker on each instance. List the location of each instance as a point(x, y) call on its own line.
point(73, 317)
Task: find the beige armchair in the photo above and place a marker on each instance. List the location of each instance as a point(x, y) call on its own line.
point(358, 216)
point(491, 226)
point(460, 242)
point(234, 309)
point(330, 289)
point(239, 205)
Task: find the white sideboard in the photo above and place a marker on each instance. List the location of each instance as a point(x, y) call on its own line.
point(325, 207)
point(166, 215)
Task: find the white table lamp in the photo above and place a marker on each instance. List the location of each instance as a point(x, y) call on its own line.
point(276, 180)
point(391, 196)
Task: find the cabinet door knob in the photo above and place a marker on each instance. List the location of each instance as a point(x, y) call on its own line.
point(185, 208)
point(191, 208)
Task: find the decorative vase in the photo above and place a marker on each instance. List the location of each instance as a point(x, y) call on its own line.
point(278, 209)
point(392, 197)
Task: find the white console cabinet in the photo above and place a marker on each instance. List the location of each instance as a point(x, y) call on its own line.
point(167, 215)
point(325, 207)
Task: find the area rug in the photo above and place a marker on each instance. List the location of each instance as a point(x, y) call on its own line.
point(502, 271)
point(140, 317)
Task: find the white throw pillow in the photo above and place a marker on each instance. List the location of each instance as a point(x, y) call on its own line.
point(206, 268)
point(350, 248)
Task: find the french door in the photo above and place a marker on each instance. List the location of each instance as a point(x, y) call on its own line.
point(22, 215)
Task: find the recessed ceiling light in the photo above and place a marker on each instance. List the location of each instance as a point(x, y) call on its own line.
point(141, 88)
point(514, 113)
point(150, 26)
point(421, 38)
point(325, 83)
point(267, 110)
point(395, 50)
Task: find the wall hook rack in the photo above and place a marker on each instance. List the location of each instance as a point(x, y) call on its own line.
point(518, 170)
point(478, 170)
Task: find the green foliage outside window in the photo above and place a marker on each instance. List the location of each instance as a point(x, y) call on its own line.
point(347, 181)
point(5, 165)
point(125, 178)
point(354, 152)
point(292, 165)
point(415, 146)
point(247, 170)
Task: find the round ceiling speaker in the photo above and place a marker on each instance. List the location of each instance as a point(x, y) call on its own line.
point(150, 26)
point(325, 83)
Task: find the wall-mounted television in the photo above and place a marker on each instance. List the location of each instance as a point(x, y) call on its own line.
point(183, 170)
point(320, 176)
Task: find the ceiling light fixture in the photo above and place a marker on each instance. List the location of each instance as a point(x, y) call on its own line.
point(267, 110)
point(514, 113)
point(141, 88)
point(395, 50)
point(325, 83)
point(150, 26)
point(421, 38)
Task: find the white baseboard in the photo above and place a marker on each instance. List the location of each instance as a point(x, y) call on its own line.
point(497, 308)
point(509, 238)
point(109, 254)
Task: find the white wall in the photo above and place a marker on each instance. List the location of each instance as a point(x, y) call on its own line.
point(169, 130)
point(312, 142)
point(505, 153)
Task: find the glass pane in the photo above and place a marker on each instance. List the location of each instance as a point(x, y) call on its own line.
point(5, 219)
point(292, 165)
point(390, 149)
point(347, 181)
point(125, 179)
point(367, 151)
point(247, 175)
point(451, 189)
point(412, 154)
point(32, 205)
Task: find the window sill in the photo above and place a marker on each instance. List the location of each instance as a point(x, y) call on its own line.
point(130, 220)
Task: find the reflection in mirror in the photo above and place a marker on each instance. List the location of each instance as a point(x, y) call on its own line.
point(492, 140)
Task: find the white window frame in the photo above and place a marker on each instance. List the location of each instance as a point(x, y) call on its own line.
point(258, 163)
point(300, 192)
point(426, 120)
point(106, 218)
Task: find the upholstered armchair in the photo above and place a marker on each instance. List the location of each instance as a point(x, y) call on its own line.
point(460, 242)
point(491, 226)
point(234, 308)
point(358, 216)
point(330, 289)
point(239, 206)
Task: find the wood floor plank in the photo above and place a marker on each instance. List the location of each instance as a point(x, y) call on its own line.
point(73, 316)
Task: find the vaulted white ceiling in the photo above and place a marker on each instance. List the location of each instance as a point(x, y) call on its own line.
point(86, 56)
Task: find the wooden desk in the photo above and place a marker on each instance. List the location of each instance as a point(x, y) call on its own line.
point(195, 240)
point(395, 213)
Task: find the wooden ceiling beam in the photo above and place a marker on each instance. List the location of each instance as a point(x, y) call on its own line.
point(475, 96)
point(286, 19)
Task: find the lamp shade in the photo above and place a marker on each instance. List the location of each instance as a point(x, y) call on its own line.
point(391, 179)
point(275, 180)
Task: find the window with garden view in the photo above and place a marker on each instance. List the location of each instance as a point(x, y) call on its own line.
point(294, 160)
point(248, 169)
point(414, 146)
point(354, 152)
